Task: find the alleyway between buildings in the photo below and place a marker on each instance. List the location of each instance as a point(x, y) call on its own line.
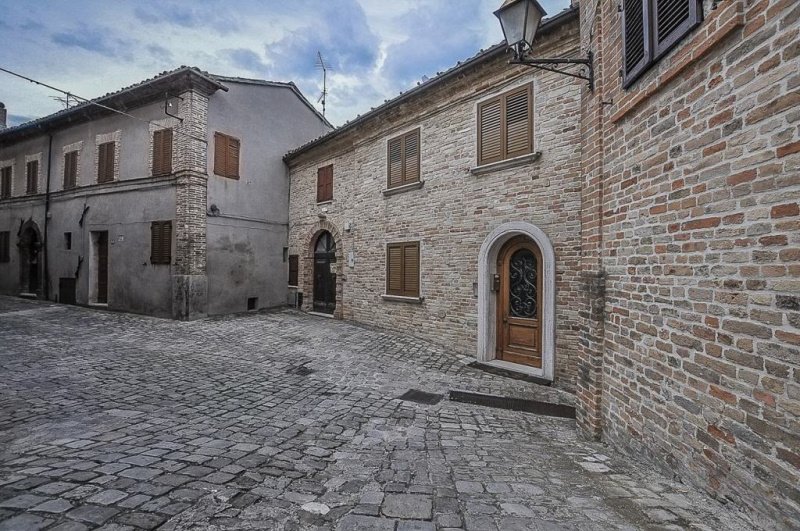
point(286, 421)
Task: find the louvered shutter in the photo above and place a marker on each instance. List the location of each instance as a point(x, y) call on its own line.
point(411, 270)
point(490, 137)
point(5, 182)
point(325, 183)
point(635, 38)
point(161, 242)
point(233, 158)
point(673, 20)
point(70, 169)
point(395, 162)
point(394, 269)
point(518, 122)
point(5, 246)
point(32, 176)
point(411, 157)
point(162, 152)
point(105, 163)
point(166, 241)
point(294, 269)
point(220, 152)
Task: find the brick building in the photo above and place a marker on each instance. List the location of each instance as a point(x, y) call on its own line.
point(176, 209)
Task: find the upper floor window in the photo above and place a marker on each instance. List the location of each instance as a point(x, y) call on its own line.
point(651, 28)
point(162, 152)
point(226, 156)
point(505, 126)
point(5, 181)
point(106, 153)
point(325, 183)
point(70, 169)
point(403, 159)
point(32, 176)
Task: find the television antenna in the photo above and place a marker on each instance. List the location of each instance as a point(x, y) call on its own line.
point(64, 100)
point(320, 63)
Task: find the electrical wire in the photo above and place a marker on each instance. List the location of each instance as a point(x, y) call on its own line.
point(96, 104)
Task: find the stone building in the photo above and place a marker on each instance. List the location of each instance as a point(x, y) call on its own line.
point(176, 208)
point(399, 218)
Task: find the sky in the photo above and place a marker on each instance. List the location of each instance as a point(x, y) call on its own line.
point(374, 48)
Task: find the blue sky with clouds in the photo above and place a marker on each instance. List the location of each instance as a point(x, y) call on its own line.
point(376, 48)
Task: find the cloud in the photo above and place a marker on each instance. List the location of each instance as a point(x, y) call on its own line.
point(95, 40)
point(247, 59)
point(216, 16)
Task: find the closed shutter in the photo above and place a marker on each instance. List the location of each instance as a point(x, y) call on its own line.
point(518, 122)
point(411, 270)
point(161, 242)
point(105, 163)
point(673, 20)
point(402, 269)
point(394, 269)
point(411, 157)
point(162, 152)
point(294, 268)
point(32, 176)
point(395, 162)
point(325, 183)
point(226, 156)
point(70, 169)
point(635, 38)
point(490, 134)
point(233, 157)
point(5, 182)
point(5, 246)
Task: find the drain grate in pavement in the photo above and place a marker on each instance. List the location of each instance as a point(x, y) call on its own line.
point(515, 404)
point(420, 397)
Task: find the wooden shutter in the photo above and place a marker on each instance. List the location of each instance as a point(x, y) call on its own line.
point(325, 183)
point(635, 38)
point(70, 169)
point(161, 242)
point(673, 20)
point(394, 269)
point(294, 268)
point(162, 152)
point(402, 269)
point(490, 134)
point(395, 157)
point(518, 122)
point(411, 269)
point(411, 157)
point(105, 162)
point(226, 155)
point(220, 153)
point(5, 246)
point(233, 157)
point(32, 176)
point(5, 182)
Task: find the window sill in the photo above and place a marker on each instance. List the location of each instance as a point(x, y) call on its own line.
point(505, 164)
point(404, 188)
point(322, 203)
point(400, 298)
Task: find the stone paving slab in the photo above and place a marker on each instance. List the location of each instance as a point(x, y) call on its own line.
point(286, 421)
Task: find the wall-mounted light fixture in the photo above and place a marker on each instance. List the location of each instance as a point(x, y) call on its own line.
point(520, 19)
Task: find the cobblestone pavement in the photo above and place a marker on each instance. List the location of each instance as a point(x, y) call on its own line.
point(287, 421)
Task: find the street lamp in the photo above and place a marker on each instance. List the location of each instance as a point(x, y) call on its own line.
point(520, 19)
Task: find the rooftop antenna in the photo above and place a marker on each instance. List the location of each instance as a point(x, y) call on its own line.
point(63, 100)
point(321, 64)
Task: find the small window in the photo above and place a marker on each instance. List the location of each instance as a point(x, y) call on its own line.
point(651, 28)
point(105, 162)
point(402, 269)
point(5, 252)
point(162, 152)
point(325, 183)
point(161, 242)
point(505, 126)
point(68, 241)
point(70, 169)
point(403, 159)
point(5, 182)
point(294, 267)
point(252, 304)
point(226, 156)
point(32, 176)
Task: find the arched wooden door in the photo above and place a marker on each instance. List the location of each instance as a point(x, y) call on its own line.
point(519, 324)
point(30, 244)
point(325, 274)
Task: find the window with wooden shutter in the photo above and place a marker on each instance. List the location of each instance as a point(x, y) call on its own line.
point(505, 126)
point(162, 152)
point(5, 182)
point(402, 269)
point(105, 162)
point(294, 268)
point(32, 177)
point(70, 169)
point(226, 155)
point(5, 246)
point(161, 242)
point(325, 183)
point(403, 159)
point(651, 28)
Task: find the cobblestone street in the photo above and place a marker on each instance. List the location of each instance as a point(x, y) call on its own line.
point(286, 421)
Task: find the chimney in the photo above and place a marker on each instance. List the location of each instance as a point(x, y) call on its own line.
point(3, 115)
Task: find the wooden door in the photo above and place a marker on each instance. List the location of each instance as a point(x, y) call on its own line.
point(325, 274)
point(102, 267)
point(519, 313)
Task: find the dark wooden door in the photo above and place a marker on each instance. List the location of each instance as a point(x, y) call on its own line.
point(102, 267)
point(518, 306)
point(325, 274)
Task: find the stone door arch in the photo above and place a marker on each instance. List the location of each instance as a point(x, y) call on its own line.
point(308, 265)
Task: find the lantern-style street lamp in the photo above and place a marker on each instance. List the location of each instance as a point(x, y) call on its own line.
point(520, 20)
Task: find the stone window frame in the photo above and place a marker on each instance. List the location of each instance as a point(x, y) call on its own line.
point(39, 184)
point(75, 146)
point(9, 163)
point(113, 136)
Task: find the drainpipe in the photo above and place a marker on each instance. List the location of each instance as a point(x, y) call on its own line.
point(47, 216)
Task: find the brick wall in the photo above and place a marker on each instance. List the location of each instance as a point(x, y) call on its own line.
point(700, 244)
point(454, 211)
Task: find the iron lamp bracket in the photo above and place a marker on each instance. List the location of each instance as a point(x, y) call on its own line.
point(551, 65)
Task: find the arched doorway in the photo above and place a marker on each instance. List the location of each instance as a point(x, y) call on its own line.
point(519, 330)
point(29, 245)
point(325, 273)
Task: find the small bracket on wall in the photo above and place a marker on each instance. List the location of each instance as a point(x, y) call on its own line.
point(168, 105)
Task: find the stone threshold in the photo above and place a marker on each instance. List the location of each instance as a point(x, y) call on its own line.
point(514, 404)
point(320, 314)
point(509, 370)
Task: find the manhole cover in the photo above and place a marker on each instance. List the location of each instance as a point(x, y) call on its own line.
point(420, 397)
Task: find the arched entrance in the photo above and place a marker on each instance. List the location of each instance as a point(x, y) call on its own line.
point(325, 273)
point(527, 340)
point(29, 245)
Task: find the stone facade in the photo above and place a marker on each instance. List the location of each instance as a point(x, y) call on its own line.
point(454, 210)
point(690, 210)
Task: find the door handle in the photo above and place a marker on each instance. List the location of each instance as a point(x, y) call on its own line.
point(505, 319)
